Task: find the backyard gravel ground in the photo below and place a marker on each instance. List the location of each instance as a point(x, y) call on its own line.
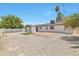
point(37, 44)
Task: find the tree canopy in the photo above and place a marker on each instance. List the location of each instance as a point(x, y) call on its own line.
point(59, 14)
point(71, 21)
point(11, 21)
point(57, 8)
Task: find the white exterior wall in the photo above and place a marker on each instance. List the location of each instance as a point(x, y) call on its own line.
point(12, 30)
point(33, 29)
point(57, 28)
point(60, 28)
point(28, 29)
point(43, 29)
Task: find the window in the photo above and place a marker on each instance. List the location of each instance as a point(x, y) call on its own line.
point(51, 27)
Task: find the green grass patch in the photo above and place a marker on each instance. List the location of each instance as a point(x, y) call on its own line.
point(27, 33)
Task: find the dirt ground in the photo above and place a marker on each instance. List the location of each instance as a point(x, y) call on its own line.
point(37, 44)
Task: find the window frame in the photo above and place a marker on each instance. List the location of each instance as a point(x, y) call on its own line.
point(51, 27)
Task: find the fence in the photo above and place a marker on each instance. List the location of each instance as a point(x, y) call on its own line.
point(12, 30)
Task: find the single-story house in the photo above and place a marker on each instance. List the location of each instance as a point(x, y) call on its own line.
point(48, 27)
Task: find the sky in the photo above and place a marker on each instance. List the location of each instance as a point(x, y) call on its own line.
point(37, 13)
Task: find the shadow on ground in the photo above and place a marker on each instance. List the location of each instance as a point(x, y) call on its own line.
point(72, 40)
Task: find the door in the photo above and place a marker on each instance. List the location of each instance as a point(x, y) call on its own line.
point(36, 29)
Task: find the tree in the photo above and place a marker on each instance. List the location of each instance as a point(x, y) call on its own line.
point(52, 21)
point(76, 18)
point(0, 23)
point(57, 9)
point(11, 21)
point(69, 22)
point(72, 21)
point(59, 14)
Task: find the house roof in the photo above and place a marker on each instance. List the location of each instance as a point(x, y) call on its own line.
point(48, 24)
